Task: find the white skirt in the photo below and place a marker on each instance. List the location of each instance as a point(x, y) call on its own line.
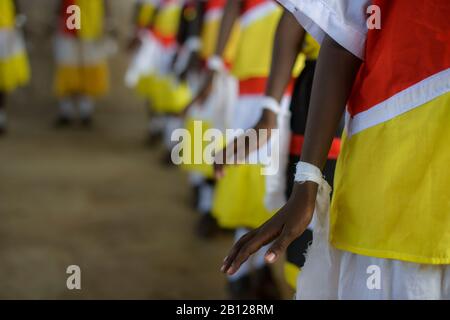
point(72, 51)
point(331, 274)
point(217, 108)
point(143, 61)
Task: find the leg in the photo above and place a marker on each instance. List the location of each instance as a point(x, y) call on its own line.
point(155, 126)
point(207, 226)
point(66, 112)
point(86, 109)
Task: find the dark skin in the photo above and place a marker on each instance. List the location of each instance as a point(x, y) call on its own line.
point(288, 41)
point(334, 77)
point(2, 100)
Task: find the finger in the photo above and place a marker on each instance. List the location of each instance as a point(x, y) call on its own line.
point(251, 246)
point(280, 245)
point(235, 250)
point(219, 172)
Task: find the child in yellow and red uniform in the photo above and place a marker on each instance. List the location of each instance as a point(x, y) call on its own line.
point(295, 253)
point(166, 96)
point(386, 235)
point(81, 59)
point(14, 68)
point(144, 47)
point(142, 42)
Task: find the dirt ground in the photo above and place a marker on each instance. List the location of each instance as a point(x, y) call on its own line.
point(98, 199)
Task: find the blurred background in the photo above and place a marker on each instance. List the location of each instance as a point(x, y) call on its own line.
point(95, 198)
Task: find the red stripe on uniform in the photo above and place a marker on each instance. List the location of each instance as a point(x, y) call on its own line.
point(215, 4)
point(250, 4)
point(252, 86)
point(297, 141)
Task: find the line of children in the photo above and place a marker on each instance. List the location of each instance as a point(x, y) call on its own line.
point(290, 39)
point(14, 68)
point(256, 281)
point(244, 198)
point(211, 112)
point(389, 211)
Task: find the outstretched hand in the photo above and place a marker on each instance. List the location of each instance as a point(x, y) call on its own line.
point(282, 229)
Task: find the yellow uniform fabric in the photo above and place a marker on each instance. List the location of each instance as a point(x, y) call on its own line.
point(166, 95)
point(239, 198)
point(92, 19)
point(254, 56)
point(198, 145)
point(145, 14)
point(14, 67)
point(86, 80)
point(310, 48)
point(7, 14)
point(291, 272)
point(370, 194)
point(167, 19)
point(209, 35)
point(84, 73)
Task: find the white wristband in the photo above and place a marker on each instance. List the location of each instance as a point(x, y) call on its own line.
point(215, 63)
point(271, 104)
point(308, 172)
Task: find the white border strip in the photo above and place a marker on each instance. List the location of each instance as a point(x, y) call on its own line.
point(257, 12)
point(404, 101)
point(344, 21)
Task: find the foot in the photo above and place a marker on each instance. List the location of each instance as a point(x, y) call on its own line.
point(195, 196)
point(207, 226)
point(86, 122)
point(153, 139)
point(62, 122)
point(265, 285)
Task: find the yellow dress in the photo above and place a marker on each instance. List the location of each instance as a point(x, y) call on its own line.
point(81, 54)
point(14, 67)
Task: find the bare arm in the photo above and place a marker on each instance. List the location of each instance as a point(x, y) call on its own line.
point(287, 45)
point(230, 16)
point(335, 73)
point(288, 40)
